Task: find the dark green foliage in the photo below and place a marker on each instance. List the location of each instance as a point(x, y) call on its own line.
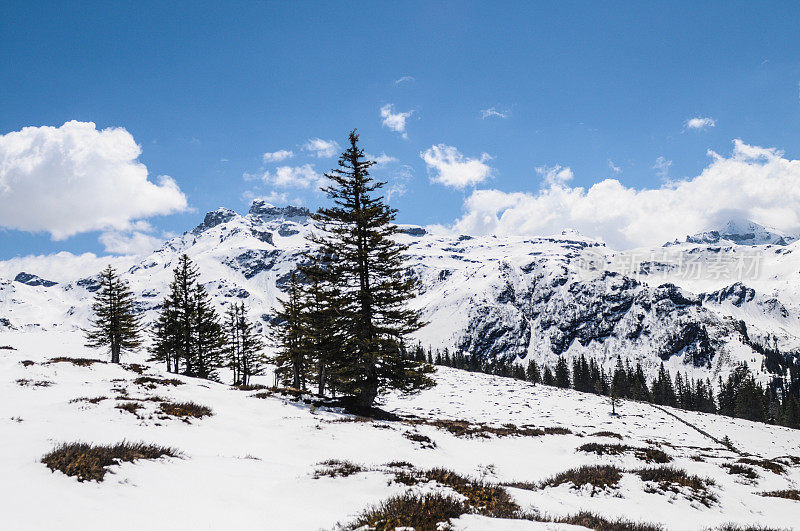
point(562, 378)
point(187, 334)
point(292, 362)
point(532, 372)
point(244, 347)
point(115, 324)
point(371, 285)
point(88, 462)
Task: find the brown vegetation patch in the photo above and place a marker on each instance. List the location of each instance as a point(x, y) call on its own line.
point(337, 468)
point(462, 428)
point(150, 382)
point(24, 382)
point(741, 470)
point(599, 477)
point(766, 464)
point(610, 434)
point(649, 455)
point(424, 441)
point(185, 410)
point(131, 407)
point(27, 363)
point(79, 362)
point(423, 512)
point(135, 367)
point(250, 387)
point(670, 479)
point(90, 400)
point(600, 523)
point(787, 494)
point(484, 498)
point(89, 462)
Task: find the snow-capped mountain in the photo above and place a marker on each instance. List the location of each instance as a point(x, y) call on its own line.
point(699, 306)
point(741, 233)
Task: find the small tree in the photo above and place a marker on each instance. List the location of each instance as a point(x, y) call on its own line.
point(115, 325)
point(291, 338)
point(562, 373)
point(244, 345)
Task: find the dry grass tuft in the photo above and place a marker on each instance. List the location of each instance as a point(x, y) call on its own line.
point(88, 462)
point(79, 362)
point(766, 464)
point(599, 477)
point(787, 494)
point(741, 470)
point(670, 479)
point(337, 468)
point(151, 382)
point(422, 512)
point(90, 400)
point(185, 410)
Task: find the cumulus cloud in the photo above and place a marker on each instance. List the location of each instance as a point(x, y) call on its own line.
point(491, 112)
point(75, 178)
point(129, 242)
point(449, 167)
point(277, 156)
point(752, 183)
point(304, 176)
point(323, 149)
point(396, 121)
point(700, 122)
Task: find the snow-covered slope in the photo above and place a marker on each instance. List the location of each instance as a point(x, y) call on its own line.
point(696, 306)
point(742, 232)
point(252, 463)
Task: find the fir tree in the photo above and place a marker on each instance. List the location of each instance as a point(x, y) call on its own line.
point(187, 334)
point(547, 376)
point(358, 230)
point(115, 325)
point(532, 372)
point(244, 349)
point(292, 367)
point(562, 378)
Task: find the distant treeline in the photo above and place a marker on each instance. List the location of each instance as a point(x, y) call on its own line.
point(739, 396)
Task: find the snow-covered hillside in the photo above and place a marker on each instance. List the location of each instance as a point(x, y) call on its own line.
point(696, 305)
point(255, 462)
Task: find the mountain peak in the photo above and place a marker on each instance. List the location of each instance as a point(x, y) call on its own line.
point(741, 232)
point(261, 209)
point(214, 218)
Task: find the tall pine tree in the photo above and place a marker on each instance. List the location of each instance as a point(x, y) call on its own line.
point(358, 230)
point(115, 324)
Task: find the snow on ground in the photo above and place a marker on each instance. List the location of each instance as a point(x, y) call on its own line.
point(252, 463)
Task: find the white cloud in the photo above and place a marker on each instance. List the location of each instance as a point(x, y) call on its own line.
point(662, 167)
point(277, 156)
point(404, 79)
point(451, 168)
point(753, 183)
point(323, 149)
point(700, 123)
point(382, 160)
point(555, 174)
point(129, 242)
point(304, 176)
point(396, 121)
point(492, 112)
point(75, 178)
point(62, 266)
point(613, 167)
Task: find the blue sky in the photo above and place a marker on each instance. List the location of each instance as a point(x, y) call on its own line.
point(604, 90)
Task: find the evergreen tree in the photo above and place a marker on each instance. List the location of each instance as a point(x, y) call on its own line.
point(244, 347)
point(359, 232)
point(562, 373)
point(619, 381)
point(321, 320)
point(115, 324)
point(532, 372)
point(547, 376)
point(187, 334)
point(292, 364)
